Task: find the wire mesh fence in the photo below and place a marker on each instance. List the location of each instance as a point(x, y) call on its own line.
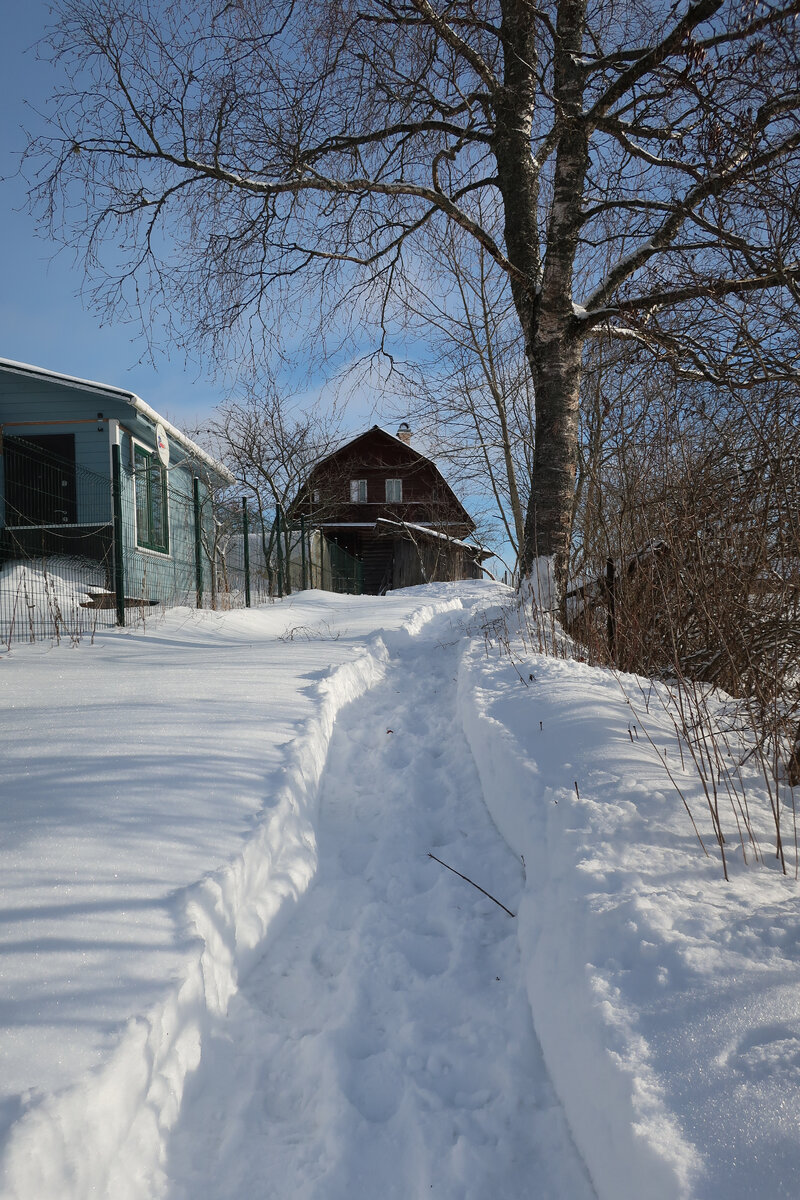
point(56, 541)
point(81, 551)
point(338, 570)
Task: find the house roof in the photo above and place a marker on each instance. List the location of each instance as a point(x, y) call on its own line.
point(105, 389)
point(390, 437)
point(414, 455)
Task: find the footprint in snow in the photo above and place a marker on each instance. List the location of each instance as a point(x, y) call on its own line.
point(426, 953)
point(374, 1087)
point(355, 857)
point(766, 1053)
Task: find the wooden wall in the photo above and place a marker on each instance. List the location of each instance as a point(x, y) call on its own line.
point(426, 562)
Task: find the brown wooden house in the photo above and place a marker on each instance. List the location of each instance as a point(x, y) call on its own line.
point(386, 504)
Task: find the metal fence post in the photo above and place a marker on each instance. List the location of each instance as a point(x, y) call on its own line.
point(611, 603)
point(280, 551)
point(303, 549)
point(198, 542)
point(119, 561)
point(246, 537)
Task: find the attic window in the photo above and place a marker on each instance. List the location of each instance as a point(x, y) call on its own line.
point(394, 491)
point(358, 491)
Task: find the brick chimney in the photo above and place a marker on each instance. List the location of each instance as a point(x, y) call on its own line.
point(404, 433)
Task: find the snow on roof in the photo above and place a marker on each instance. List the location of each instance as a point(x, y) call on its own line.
point(427, 531)
point(106, 389)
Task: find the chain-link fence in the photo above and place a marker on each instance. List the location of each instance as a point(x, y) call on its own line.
point(80, 551)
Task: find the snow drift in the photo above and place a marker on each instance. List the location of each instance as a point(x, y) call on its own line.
point(106, 1135)
point(666, 1000)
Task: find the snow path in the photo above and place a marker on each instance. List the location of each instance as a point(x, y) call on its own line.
point(383, 1045)
point(159, 792)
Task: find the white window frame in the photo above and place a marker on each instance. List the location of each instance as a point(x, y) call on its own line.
point(394, 485)
point(358, 491)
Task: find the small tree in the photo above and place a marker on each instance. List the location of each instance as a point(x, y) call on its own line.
point(271, 446)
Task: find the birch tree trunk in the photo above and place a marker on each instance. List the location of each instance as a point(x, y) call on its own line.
point(543, 290)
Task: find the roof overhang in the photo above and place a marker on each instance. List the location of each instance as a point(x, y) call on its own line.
point(194, 451)
point(386, 527)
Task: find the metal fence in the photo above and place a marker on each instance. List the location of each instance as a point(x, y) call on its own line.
point(80, 551)
point(56, 542)
point(338, 570)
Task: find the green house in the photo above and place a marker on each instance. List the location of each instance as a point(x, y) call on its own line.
point(64, 443)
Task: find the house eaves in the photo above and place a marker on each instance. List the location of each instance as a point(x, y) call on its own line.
point(386, 525)
point(150, 415)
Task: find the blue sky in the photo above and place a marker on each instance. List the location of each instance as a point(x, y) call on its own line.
point(42, 319)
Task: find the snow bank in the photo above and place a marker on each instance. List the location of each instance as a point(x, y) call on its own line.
point(597, 1061)
point(37, 603)
point(666, 1000)
point(105, 1137)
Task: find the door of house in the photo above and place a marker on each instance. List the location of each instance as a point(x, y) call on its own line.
point(40, 485)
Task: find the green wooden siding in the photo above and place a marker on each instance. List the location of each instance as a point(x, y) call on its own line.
point(35, 406)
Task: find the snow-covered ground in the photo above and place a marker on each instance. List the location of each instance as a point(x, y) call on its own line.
point(667, 1001)
point(383, 1047)
point(229, 967)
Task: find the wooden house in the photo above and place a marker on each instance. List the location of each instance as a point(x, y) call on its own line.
point(388, 505)
point(60, 437)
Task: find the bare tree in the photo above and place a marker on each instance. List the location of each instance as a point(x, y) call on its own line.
point(644, 156)
point(271, 446)
point(472, 397)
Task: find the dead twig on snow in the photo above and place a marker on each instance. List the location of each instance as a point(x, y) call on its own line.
point(467, 879)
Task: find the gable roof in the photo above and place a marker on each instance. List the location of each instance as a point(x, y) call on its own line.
point(104, 389)
point(371, 432)
point(395, 442)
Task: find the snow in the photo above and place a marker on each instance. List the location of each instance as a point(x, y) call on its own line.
point(666, 1000)
point(230, 967)
point(383, 1047)
point(158, 793)
point(539, 590)
point(43, 604)
point(426, 531)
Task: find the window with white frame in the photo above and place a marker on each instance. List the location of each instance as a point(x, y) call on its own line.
point(358, 491)
point(394, 491)
point(150, 484)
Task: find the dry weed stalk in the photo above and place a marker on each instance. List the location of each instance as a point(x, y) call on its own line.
point(688, 538)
